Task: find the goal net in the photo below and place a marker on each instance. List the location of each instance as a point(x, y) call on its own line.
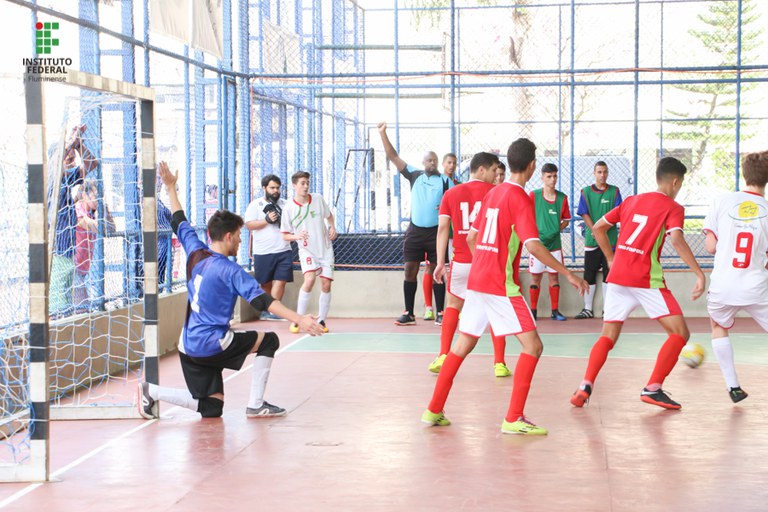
point(98, 280)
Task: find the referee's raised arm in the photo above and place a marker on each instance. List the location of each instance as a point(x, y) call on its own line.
point(391, 152)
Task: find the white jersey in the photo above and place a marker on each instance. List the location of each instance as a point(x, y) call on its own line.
point(269, 239)
point(310, 217)
point(739, 220)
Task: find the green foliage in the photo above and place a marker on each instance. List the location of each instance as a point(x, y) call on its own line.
point(432, 11)
point(711, 135)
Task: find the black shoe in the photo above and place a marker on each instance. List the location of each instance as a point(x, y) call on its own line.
point(585, 313)
point(406, 319)
point(439, 318)
point(146, 402)
point(557, 315)
point(737, 394)
point(267, 410)
point(533, 314)
point(659, 398)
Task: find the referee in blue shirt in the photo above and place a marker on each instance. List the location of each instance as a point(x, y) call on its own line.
point(427, 189)
point(207, 344)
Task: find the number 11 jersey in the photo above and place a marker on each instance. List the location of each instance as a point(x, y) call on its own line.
point(739, 221)
point(646, 220)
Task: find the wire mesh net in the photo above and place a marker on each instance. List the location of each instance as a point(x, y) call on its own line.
point(96, 243)
point(15, 400)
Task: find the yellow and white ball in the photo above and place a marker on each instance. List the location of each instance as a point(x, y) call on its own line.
point(692, 355)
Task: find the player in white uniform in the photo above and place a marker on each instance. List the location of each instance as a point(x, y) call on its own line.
point(737, 234)
point(308, 221)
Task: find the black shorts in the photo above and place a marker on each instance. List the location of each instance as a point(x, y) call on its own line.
point(271, 267)
point(419, 241)
point(594, 261)
point(203, 374)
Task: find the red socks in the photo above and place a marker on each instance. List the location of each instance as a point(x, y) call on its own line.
point(597, 357)
point(534, 292)
point(554, 295)
point(499, 346)
point(526, 365)
point(667, 358)
point(427, 288)
point(448, 329)
point(444, 382)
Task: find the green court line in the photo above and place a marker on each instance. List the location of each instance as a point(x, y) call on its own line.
point(748, 348)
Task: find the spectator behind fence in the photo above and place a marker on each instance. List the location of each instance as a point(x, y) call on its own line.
point(77, 163)
point(163, 242)
point(272, 255)
point(427, 189)
point(86, 197)
point(596, 200)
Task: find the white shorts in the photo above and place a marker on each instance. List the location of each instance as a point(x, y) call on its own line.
point(537, 267)
point(620, 301)
point(310, 263)
point(457, 279)
point(725, 316)
point(507, 315)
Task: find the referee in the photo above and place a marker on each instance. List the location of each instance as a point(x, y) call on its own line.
point(427, 189)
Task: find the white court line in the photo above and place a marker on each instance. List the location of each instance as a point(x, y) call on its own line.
point(31, 487)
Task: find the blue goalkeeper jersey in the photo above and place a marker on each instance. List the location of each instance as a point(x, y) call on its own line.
point(213, 284)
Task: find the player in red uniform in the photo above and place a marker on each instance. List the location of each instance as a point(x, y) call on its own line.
point(504, 224)
point(458, 210)
point(637, 279)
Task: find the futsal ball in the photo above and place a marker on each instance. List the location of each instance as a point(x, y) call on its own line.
point(692, 355)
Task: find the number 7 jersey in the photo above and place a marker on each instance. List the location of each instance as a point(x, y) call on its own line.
point(739, 221)
point(645, 219)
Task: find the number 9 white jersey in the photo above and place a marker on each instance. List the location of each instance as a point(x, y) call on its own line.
point(739, 221)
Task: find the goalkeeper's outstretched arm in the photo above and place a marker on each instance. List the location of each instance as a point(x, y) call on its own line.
point(169, 179)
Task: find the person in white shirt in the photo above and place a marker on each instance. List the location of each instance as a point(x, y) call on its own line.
point(308, 221)
point(736, 228)
point(272, 255)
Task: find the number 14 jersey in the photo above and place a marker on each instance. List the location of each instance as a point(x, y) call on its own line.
point(645, 219)
point(461, 204)
point(739, 221)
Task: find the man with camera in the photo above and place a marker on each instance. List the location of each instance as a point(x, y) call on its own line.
point(272, 256)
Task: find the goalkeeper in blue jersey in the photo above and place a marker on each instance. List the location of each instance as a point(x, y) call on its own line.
point(207, 344)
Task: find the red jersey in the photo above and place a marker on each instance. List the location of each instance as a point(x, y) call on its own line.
point(461, 205)
point(506, 221)
point(646, 219)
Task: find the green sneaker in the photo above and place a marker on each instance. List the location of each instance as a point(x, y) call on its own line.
point(522, 427)
point(435, 365)
point(435, 419)
point(429, 314)
point(501, 370)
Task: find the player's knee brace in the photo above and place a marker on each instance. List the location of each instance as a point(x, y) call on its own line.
point(269, 345)
point(210, 407)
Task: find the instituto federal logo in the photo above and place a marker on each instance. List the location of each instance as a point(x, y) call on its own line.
point(46, 69)
point(44, 36)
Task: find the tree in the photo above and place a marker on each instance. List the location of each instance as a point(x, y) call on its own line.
point(712, 135)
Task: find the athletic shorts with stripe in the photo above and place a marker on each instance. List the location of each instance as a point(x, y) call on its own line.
point(310, 263)
point(537, 267)
point(506, 315)
point(457, 279)
point(725, 316)
point(620, 301)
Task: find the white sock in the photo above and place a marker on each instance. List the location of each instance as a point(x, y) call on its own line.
point(303, 303)
point(261, 365)
point(180, 397)
point(589, 297)
point(325, 305)
point(724, 355)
